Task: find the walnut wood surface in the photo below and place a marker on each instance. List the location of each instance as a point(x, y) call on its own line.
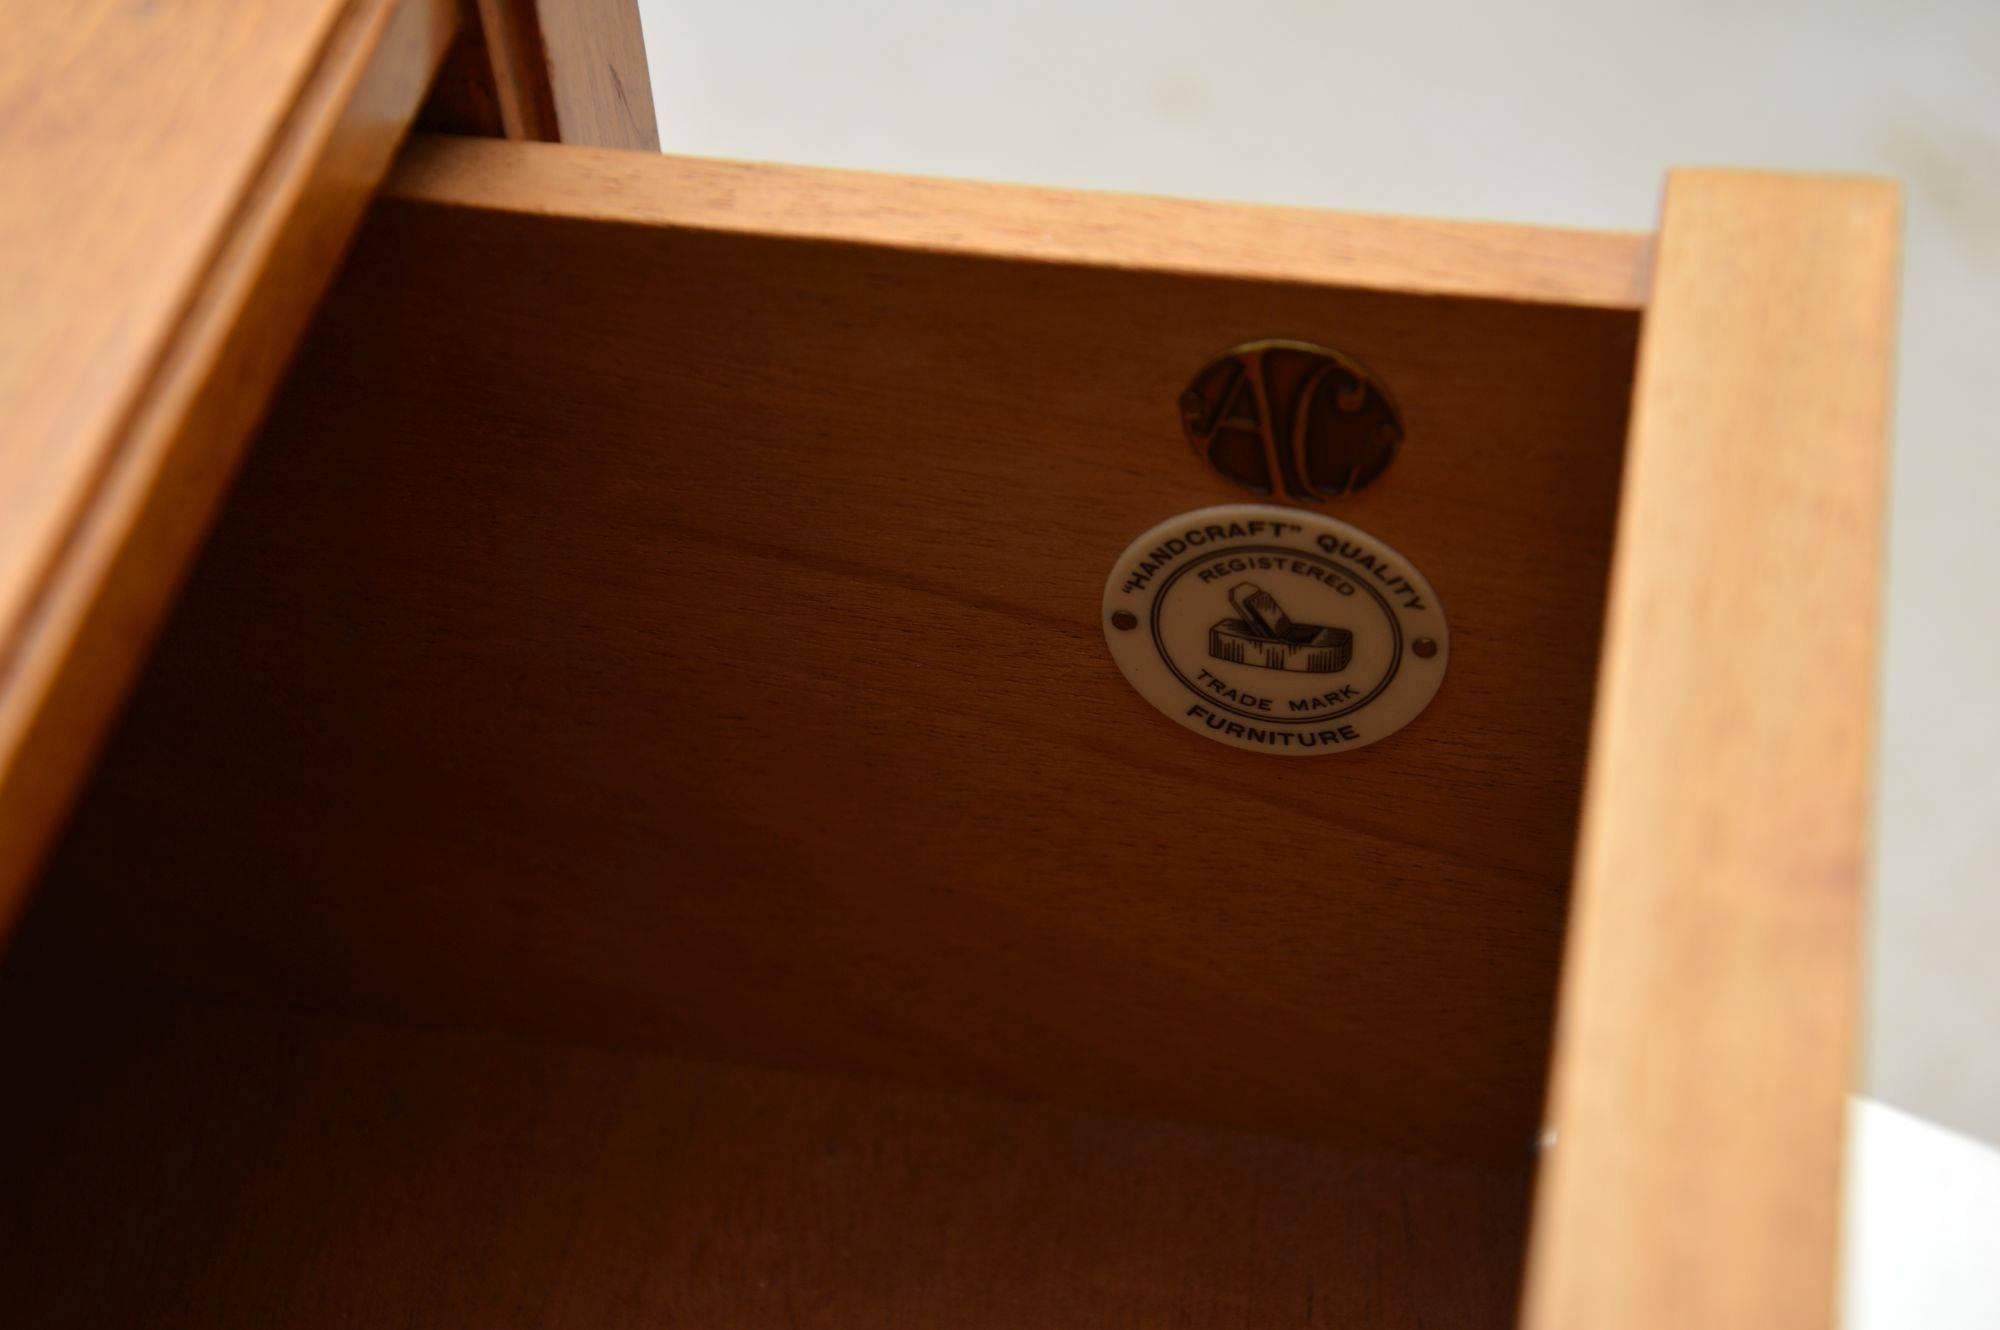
point(181, 179)
point(451, 661)
point(216, 1170)
point(1706, 1044)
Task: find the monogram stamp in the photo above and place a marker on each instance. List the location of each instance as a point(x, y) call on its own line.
point(1291, 420)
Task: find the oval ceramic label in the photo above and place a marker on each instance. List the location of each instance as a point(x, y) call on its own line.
point(1275, 630)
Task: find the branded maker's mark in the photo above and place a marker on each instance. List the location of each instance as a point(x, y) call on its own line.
point(1291, 420)
point(1275, 630)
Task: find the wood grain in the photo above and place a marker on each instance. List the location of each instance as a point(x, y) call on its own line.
point(518, 68)
point(1396, 255)
point(602, 88)
point(448, 658)
point(549, 71)
point(181, 181)
point(1706, 1040)
point(223, 1170)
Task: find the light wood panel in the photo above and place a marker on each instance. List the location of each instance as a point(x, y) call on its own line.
point(549, 71)
point(221, 1170)
point(1706, 1038)
point(1301, 246)
point(602, 89)
point(180, 181)
point(453, 660)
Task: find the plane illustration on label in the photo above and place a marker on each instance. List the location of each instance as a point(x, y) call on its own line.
point(1266, 637)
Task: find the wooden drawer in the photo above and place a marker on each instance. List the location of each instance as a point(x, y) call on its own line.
point(631, 821)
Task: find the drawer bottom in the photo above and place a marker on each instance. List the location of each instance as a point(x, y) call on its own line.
point(188, 1164)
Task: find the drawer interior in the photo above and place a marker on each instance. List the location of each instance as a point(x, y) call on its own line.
point(632, 817)
point(221, 1165)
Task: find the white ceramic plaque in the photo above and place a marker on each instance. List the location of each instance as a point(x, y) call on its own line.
point(1275, 630)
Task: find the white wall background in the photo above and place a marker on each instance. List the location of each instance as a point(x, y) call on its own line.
point(1563, 113)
